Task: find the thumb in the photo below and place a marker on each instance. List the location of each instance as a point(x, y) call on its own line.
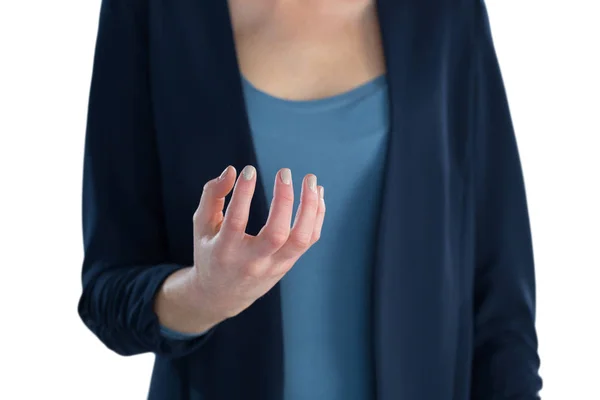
point(209, 215)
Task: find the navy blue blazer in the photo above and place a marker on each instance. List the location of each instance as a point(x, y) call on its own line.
point(454, 293)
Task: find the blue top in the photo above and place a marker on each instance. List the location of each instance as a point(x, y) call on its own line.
point(326, 296)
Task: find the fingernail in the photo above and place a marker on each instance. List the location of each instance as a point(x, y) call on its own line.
point(224, 174)
point(322, 193)
point(286, 176)
point(248, 172)
point(312, 183)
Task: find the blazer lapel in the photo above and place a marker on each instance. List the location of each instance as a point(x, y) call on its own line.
point(415, 270)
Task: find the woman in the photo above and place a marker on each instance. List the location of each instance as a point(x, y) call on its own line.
point(419, 282)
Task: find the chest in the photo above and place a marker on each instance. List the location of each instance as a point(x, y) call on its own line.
point(307, 50)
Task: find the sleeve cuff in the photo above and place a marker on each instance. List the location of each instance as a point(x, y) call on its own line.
point(174, 335)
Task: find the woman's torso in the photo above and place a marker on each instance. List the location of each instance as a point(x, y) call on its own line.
point(201, 124)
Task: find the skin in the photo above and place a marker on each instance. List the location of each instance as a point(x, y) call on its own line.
point(292, 49)
point(302, 50)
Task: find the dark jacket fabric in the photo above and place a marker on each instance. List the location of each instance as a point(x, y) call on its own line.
point(454, 290)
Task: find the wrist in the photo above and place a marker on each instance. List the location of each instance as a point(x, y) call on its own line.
point(179, 305)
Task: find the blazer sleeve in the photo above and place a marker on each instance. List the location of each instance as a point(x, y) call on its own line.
point(506, 361)
point(126, 257)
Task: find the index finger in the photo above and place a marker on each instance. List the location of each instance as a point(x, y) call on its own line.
point(238, 211)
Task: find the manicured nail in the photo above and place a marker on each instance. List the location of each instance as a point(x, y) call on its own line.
point(312, 183)
point(322, 193)
point(223, 174)
point(248, 172)
point(286, 176)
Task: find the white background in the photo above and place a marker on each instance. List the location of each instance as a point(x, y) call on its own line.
point(549, 55)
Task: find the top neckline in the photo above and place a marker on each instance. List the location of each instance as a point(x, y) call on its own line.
point(350, 96)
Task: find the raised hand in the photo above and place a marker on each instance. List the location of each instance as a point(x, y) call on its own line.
point(231, 268)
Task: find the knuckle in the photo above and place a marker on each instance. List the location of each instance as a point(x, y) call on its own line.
point(315, 237)
point(300, 240)
point(253, 270)
point(310, 203)
point(237, 223)
point(284, 197)
point(244, 191)
point(277, 238)
point(277, 271)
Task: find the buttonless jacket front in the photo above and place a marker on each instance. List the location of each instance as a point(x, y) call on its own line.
point(453, 274)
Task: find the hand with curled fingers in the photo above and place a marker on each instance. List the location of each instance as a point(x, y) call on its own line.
point(232, 269)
